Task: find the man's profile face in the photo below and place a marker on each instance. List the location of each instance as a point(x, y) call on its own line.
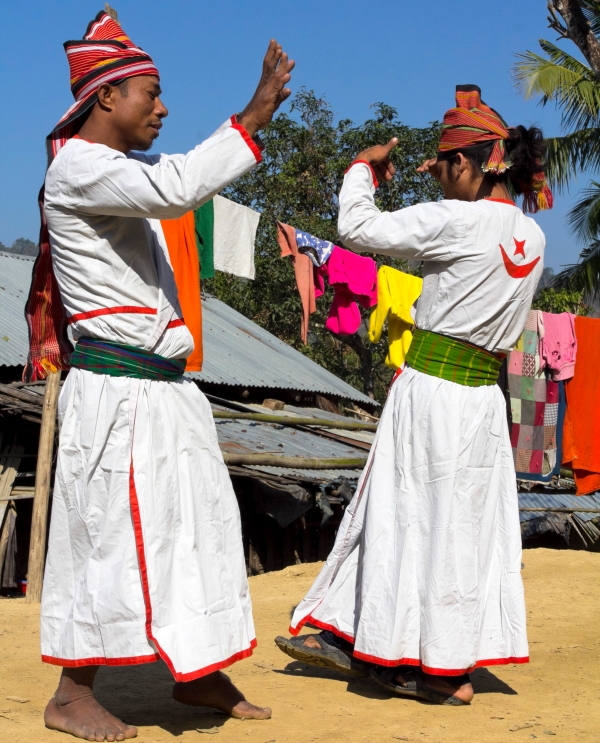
point(138, 111)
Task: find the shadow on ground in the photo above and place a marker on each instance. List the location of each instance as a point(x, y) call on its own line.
point(141, 696)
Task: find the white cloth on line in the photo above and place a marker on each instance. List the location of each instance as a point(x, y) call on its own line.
point(234, 235)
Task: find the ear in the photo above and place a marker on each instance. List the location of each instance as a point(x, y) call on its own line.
point(106, 96)
point(461, 165)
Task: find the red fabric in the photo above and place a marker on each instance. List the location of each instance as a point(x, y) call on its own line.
point(303, 269)
point(180, 235)
point(368, 164)
point(134, 660)
point(49, 345)
point(581, 430)
point(111, 311)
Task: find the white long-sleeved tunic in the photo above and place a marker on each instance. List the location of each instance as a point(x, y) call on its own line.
point(482, 259)
point(103, 210)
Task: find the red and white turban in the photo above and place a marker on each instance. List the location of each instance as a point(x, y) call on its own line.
point(105, 55)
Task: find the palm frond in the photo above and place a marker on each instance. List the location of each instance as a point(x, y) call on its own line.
point(572, 154)
point(584, 217)
point(584, 275)
point(562, 79)
point(591, 10)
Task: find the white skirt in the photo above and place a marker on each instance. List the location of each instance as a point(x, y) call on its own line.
point(425, 569)
point(145, 556)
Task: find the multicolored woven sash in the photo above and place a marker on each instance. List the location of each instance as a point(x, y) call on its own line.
point(453, 360)
point(119, 360)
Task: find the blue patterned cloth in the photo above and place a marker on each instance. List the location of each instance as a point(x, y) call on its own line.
point(317, 250)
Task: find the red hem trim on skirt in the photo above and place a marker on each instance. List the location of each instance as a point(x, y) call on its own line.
point(405, 661)
point(134, 660)
point(139, 544)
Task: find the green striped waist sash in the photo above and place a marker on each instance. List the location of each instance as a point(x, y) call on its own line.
point(452, 360)
point(120, 360)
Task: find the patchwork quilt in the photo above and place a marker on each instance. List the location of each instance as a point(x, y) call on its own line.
point(537, 405)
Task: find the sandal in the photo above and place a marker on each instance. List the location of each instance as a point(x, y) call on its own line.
point(414, 685)
point(327, 656)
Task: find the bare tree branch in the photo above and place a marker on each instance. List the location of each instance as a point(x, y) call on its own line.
point(576, 28)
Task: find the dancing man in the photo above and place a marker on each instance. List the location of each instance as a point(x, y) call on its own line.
point(145, 556)
point(423, 583)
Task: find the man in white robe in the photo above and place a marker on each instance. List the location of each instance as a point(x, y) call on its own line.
point(145, 557)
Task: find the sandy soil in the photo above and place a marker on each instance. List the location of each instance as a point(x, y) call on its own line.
point(558, 693)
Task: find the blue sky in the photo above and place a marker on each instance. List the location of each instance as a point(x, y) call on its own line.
point(409, 55)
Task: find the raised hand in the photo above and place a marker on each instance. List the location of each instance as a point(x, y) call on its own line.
point(379, 159)
point(271, 90)
point(431, 167)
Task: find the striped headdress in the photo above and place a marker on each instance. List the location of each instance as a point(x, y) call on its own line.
point(105, 55)
point(471, 125)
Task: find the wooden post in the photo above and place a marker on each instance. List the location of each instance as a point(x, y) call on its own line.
point(39, 518)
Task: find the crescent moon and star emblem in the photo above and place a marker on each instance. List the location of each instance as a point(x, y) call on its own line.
point(518, 271)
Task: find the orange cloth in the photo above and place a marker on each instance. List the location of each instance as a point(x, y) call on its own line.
point(303, 268)
point(180, 235)
point(581, 431)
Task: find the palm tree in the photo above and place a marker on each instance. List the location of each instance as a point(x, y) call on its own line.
point(574, 87)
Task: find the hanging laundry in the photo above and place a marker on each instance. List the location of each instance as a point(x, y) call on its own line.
point(180, 236)
point(204, 218)
point(582, 421)
point(354, 279)
point(537, 408)
point(397, 292)
point(225, 236)
point(559, 345)
point(234, 237)
point(317, 250)
point(304, 271)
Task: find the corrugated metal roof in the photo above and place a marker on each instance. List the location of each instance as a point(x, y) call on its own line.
point(15, 278)
point(558, 500)
point(254, 437)
point(237, 351)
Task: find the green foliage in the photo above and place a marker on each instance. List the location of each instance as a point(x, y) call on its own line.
point(21, 246)
point(560, 300)
point(297, 183)
point(559, 78)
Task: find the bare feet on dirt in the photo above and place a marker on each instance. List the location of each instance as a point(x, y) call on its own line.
point(74, 710)
point(216, 690)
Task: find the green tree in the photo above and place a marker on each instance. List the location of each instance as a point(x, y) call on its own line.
point(303, 166)
point(556, 301)
point(574, 87)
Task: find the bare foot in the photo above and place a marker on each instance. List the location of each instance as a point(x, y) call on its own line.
point(74, 710)
point(216, 690)
point(452, 686)
point(310, 641)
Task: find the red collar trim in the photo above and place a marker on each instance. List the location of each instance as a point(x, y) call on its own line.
point(500, 201)
point(76, 136)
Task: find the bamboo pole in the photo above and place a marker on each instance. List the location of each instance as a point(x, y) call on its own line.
point(39, 518)
point(291, 421)
point(562, 510)
point(304, 463)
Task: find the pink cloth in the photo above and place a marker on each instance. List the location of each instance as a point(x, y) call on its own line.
point(354, 278)
point(558, 346)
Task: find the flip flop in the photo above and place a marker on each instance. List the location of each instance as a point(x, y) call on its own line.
point(327, 656)
point(414, 685)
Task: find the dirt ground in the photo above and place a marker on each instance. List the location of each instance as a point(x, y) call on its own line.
point(557, 694)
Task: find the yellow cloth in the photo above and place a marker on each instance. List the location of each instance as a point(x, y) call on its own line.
point(396, 294)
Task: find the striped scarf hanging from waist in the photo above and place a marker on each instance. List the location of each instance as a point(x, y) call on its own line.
point(119, 360)
point(452, 359)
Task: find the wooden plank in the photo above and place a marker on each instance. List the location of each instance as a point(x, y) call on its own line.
point(39, 518)
point(287, 420)
point(9, 467)
point(5, 531)
point(303, 463)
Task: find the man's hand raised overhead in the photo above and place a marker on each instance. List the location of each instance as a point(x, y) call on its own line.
point(271, 90)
